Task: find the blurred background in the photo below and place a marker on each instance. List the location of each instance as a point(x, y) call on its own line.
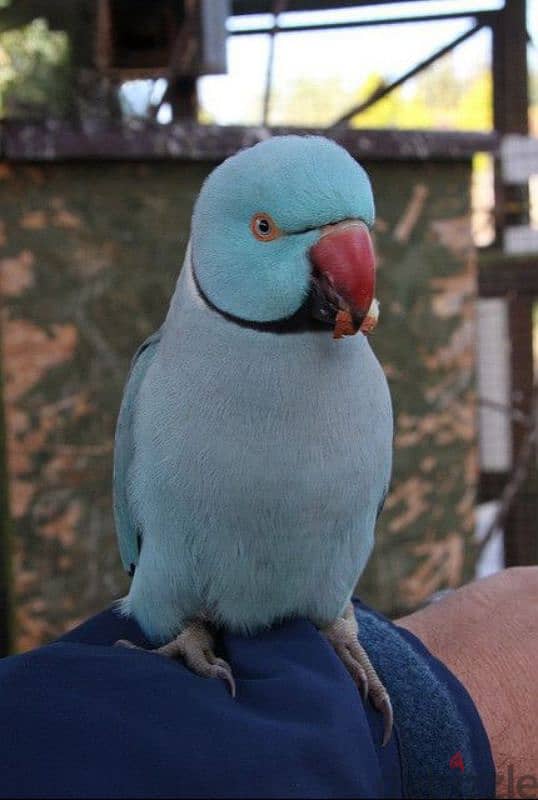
point(114, 111)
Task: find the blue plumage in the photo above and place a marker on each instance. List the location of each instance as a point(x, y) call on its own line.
point(303, 183)
point(251, 463)
point(129, 538)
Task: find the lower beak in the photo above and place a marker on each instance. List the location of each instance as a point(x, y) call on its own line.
point(343, 278)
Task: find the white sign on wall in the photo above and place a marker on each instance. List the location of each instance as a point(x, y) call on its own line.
point(493, 367)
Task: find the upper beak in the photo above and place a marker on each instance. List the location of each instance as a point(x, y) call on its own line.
point(343, 276)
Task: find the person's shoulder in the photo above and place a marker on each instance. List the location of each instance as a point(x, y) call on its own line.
point(444, 747)
point(82, 717)
point(106, 628)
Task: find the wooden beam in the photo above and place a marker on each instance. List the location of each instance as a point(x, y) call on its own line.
point(516, 279)
point(520, 541)
point(510, 77)
point(510, 95)
point(504, 275)
point(141, 141)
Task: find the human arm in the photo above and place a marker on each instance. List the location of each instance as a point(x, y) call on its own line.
point(486, 633)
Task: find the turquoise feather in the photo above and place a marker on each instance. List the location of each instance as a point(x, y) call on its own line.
point(303, 183)
point(129, 539)
point(250, 464)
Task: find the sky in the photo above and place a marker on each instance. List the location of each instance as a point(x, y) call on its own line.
point(348, 55)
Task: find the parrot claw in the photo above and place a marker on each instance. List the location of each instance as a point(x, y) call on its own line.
point(126, 643)
point(223, 670)
point(343, 636)
point(194, 646)
point(386, 709)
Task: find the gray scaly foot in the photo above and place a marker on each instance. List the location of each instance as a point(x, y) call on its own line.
point(194, 646)
point(343, 635)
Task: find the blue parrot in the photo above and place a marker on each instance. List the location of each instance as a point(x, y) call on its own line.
point(253, 450)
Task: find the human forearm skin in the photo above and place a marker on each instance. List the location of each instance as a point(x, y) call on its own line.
point(487, 635)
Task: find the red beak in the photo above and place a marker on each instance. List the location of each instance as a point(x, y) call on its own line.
point(343, 259)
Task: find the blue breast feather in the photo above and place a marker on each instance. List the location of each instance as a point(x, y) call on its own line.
point(253, 468)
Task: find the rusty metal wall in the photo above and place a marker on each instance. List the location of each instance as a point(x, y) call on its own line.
point(89, 253)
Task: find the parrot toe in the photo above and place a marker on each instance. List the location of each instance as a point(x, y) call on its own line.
point(194, 646)
point(343, 636)
point(128, 644)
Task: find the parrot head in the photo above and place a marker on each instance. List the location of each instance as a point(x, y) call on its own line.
point(281, 231)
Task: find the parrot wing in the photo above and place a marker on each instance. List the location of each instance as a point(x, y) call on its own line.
point(129, 538)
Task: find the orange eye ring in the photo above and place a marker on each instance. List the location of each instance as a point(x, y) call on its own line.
point(264, 228)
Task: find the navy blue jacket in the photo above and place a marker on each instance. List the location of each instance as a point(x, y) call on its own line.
point(81, 718)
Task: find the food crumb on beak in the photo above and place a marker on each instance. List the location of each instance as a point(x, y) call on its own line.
point(343, 325)
point(344, 322)
point(371, 319)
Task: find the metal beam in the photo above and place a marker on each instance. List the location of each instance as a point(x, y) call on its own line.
point(242, 7)
point(484, 16)
point(383, 91)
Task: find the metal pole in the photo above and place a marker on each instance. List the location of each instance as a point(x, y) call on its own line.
point(378, 94)
point(483, 16)
point(278, 7)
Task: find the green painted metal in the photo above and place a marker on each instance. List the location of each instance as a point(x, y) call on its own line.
point(6, 620)
point(90, 256)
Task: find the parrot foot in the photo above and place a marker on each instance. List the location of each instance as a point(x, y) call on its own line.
point(194, 646)
point(343, 635)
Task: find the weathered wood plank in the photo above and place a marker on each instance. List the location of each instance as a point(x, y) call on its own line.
point(140, 140)
point(501, 275)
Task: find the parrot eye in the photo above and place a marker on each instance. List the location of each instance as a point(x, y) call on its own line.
point(263, 228)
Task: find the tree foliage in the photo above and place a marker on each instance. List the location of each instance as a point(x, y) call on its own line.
point(34, 71)
point(39, 76)
point(435, 99)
